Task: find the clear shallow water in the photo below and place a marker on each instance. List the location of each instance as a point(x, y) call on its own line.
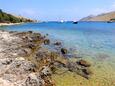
point(88, 38)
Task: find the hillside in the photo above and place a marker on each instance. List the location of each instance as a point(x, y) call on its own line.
point(102, 17)
point(9, 18)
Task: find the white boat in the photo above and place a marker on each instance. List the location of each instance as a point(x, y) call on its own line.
point(62, 21)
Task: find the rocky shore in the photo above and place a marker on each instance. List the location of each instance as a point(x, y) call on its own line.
point(24, 61)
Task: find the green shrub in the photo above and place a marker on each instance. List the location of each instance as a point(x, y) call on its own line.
point(7, 18)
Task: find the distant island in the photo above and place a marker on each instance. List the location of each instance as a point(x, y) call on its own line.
point(101, 17)
point(7, 19)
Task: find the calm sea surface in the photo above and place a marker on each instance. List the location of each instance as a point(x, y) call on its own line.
point(88, 38)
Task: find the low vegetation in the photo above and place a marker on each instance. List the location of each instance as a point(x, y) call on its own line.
point(8, 18)
point(113, 19)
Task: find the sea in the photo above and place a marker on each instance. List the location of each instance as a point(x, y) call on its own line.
point(94, 41)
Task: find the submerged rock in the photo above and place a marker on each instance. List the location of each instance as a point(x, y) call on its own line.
point(57, 43)
point(87, 71)
point(47, 34)
point(46, 41)
point(84, 63)
point(80, 70)
point(64, 51)
point(30, 32)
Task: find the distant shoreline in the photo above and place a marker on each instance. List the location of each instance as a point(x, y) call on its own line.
point(8, 24)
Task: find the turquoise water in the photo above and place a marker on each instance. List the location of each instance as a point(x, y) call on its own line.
point(88, 38)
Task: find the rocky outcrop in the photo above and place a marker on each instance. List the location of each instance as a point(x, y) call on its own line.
point(16, 67)
point(25, 62)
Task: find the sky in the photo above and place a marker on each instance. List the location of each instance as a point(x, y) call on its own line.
point(54, 10)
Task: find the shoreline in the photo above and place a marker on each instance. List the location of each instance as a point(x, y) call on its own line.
point(8, 24)
point(24, 59)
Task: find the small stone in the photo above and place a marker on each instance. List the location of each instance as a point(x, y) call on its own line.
point(57, 43)
point(64, 51)
point(47, 34)
point(46, 41)
point(30, 32)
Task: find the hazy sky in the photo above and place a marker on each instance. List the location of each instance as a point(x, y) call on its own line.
point(57, 9)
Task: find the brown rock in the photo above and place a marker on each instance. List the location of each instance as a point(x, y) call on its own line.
point(84, 63)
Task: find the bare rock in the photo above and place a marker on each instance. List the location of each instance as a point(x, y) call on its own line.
point(34, 80)
point(80, 70)
point(46, 71)
point(19, 67)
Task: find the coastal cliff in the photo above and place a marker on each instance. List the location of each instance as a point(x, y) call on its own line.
point(101, 17)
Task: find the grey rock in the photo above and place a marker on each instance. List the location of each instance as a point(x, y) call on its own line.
point(34, 80)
